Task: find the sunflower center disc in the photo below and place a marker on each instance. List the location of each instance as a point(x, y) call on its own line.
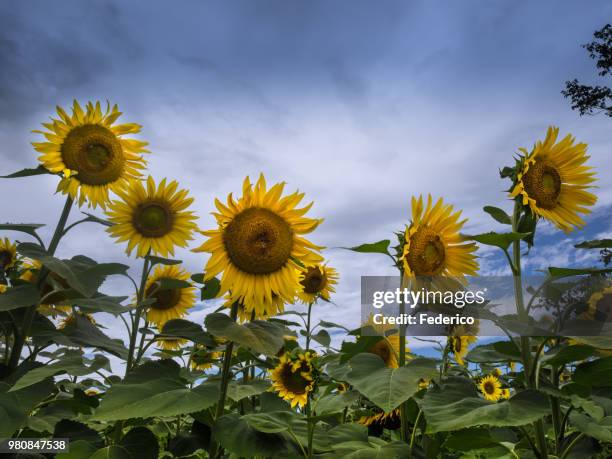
point(165, 299)
point(314, 281)
point(293, 381)
point(381, 349)
point(258, 241)
point(543, 183)
point(6, 258)
point(489, 387)
point(153, 219)
point(95, 153)
point(427, 254)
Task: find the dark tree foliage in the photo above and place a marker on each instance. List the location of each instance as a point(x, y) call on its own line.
point(591, 100)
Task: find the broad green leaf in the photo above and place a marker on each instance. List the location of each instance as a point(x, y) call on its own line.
point(569, 272)
point(456, 405)
point(211, 289)
point(501, 240)
point(19, 297)
point(322, 337)
point(374, 247)
point(387, 387)
point(15, 407)
point(596, 373)
point(82, 332)
point(476, 438)
point(140, 443)
point(112, 452)
point(28, 228)
point(325, 324)
point(335, 403)
point(185, 329)
point(259, 336)
point(74, 366)
point(497, 352)
point(567, 354)
point(99, 303)
point(167, 283)
point(154, 260)
point(598, 342)
point(79, 449)
point(600, 430)
point(239, 437)
point(595, 244)
point(74, 431)
point(28, 172)
point(498, 214)
point(237, 391)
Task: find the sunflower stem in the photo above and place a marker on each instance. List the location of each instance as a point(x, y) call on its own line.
point(308, 326)
point(225, 373)
point(402, 359)
point(139, 298)
point(22, 333)
point(522, 313)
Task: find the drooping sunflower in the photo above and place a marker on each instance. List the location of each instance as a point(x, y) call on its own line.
point(459, 346)
point(171, 344)
point(3, 288)
point(381, 420)
point(491, 388)
point(259, 246)
point(153, 219)
point(433, 246)
point(293, 378)
point(505, 393)
point(71, 319)
point(170, 303)
point(553, 181)
point(8, 254)
point(317, 281)
point(203, 359)
point(51, 295)
point(89, 149)
point(266, 308)
point(599, 305)
point(388, 347)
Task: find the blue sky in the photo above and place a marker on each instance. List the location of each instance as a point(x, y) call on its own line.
point(359, 104)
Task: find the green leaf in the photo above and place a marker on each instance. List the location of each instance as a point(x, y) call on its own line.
point(239, 437)
point(569, 272)
point(501, 240)
point(498, 214)
point(598, 342)
point(595, 244)
point(477, 440)
point(94, 219)
point(456, 405)
point(159, 395)
point(74, 431)
point(322, 337)
point(154, 260)
point(20, 296)
point(567, 354)
point(600, 430)
point(387, 387)
point(259, 336)
point(167, 283)
point(74, 366)
point(237, 391)
point(335, 403)
point(99, 303)
point(140, 443)
point(497, 352)
point(112, 452)
point(79, 449)
point(28, 228)
point(596, 373)
point(15, 407)
point(211, 289)
point(181, 328)
point(28, 172)
point(82, 332)
point(326, 324)
point(374, 247)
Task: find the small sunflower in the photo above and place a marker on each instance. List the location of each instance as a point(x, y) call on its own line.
point(90, 152)
point(3, 288)
point(171, 344)
point(266, 308)
point(505, 393)
point(491, 388)
point(382, 420)
point(170, 303)
point(553, 181)
point(71, 319)
point(203, 359)
point(259, 246)
point(459, 346)
point(599, 304)
point(8, 254)
point(433, 245)
point(153, 219)
point(388, 347)
point(293, 378)
point(317, 281)
point(53, 299)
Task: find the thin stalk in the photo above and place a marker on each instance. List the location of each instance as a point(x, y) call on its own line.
point(308, 326)
point(574, 442)
point(522, 313)
point(310, 426)
point(22, 333)
point(139, 298)
point(225, 376)
point(414, 429)
point(402, 358)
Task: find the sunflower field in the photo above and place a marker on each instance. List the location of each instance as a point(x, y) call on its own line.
point(258, 378)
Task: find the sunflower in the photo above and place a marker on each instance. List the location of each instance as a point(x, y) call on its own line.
point(71, 319)
point(3, 288)
point(171, 344)
point(52, 305)
point(259, 246)
point(600, 303)
point(388, 347)
point(490, 388)
point(266, 309)
point(553, 179)
point(459, 346)
point(317, 281)
point(153, 219)
point(170, 303)
point(8, 254)
point(382, 420)
point(90, 152)
point(433, 245)
point(203, 359)
point(505, 393)
point(293, 378)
